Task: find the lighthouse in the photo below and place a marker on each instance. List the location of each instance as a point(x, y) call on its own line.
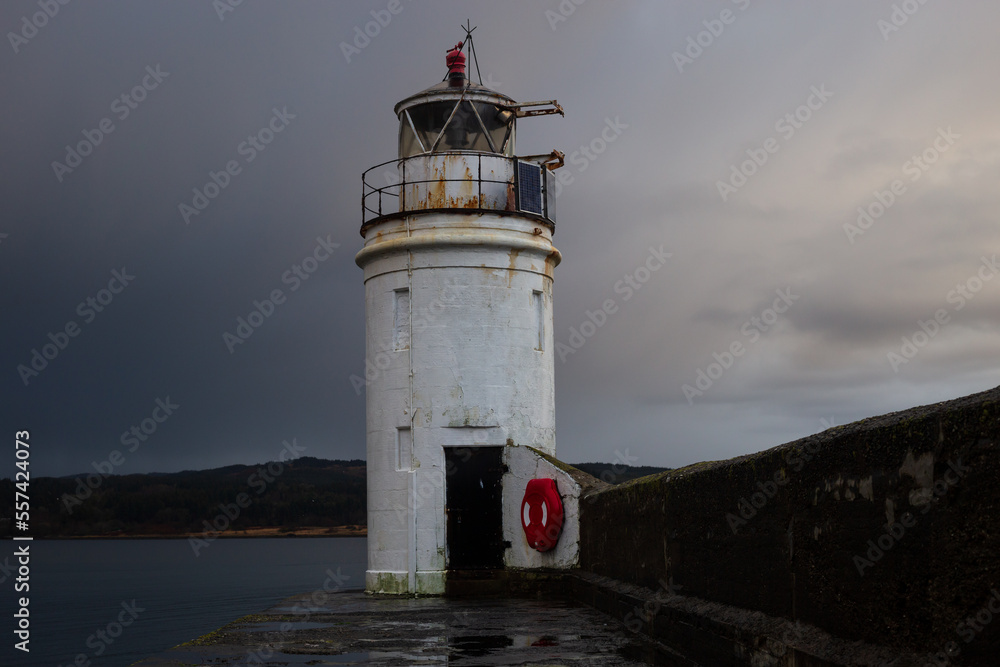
point(458, 267)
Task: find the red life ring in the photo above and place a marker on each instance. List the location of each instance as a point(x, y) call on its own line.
point(542, 514)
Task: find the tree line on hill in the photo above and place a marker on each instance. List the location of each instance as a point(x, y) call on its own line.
point(304, 492)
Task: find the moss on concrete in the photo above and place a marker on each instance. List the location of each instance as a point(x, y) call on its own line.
point(588, 483)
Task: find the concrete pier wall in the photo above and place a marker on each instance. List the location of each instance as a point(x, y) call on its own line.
point(883, 531)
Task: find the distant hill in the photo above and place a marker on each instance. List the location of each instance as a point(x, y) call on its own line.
point(304, 493)
point(616, 473)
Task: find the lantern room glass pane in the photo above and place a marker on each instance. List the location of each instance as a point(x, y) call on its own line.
point(498, 123)
point(465, 130)
point(408, 144)
point(428, 119)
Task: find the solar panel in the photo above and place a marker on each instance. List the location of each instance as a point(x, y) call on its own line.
point(529, 179)
point(550, 196)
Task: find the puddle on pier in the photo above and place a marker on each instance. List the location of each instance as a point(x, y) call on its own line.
point(352, 629)
point(285, 626)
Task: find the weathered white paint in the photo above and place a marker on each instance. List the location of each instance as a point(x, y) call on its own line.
point(866, 489)
point(852, 487)
point(524, 465)
point(474, 282)
point(921, 469)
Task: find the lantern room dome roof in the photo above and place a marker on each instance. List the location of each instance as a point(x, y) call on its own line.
point(446, 90)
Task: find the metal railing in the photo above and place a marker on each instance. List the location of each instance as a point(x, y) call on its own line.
point(534, 199)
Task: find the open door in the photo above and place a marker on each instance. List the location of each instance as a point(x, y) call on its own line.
point(474, 507)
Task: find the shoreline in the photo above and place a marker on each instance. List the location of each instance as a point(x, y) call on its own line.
point(257, 532)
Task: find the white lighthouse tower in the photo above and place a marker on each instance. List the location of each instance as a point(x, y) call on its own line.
point(458, 261)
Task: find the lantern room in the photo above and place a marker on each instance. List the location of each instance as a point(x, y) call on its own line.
point(457, 152)
point(456, 115)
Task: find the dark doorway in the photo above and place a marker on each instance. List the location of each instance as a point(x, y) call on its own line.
point(473, 503)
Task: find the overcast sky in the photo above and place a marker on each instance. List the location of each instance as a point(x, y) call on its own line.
point(742, 137)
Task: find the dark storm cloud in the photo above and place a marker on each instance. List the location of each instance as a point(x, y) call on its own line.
point(302, 66)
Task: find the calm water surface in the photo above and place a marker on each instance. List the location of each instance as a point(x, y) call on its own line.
point(78, 588)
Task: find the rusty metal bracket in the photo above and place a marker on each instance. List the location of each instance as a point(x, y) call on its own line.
point(521, 110)
point(550, 161)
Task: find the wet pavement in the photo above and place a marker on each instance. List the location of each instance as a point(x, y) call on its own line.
point(351, 628)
